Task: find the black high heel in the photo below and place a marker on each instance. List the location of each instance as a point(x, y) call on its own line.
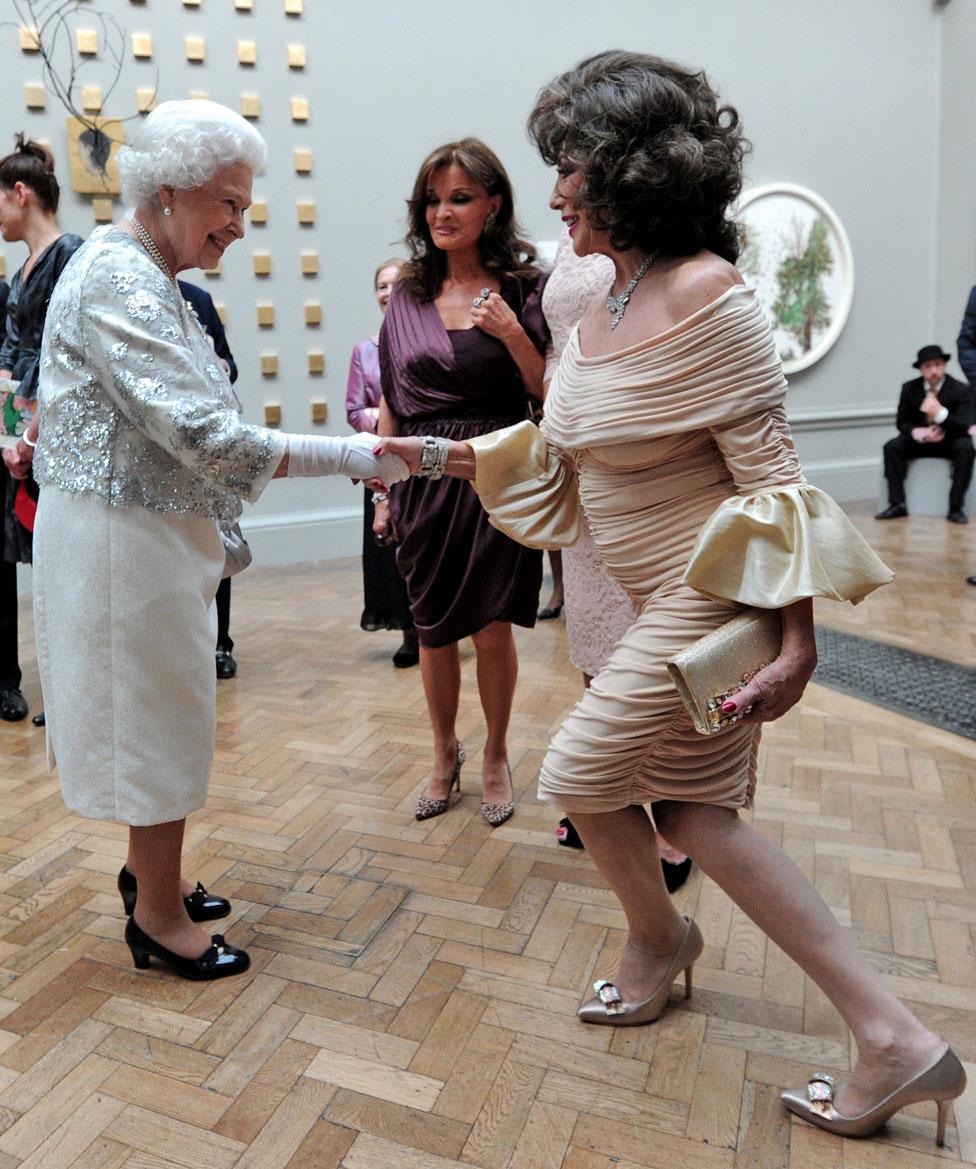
point(218, 960)
point(200, 905)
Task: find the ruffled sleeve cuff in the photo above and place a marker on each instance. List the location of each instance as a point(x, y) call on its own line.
point(526, 487)
point(774, 548)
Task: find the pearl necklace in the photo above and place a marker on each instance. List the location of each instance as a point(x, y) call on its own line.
point(147, 241)
point(618, 304)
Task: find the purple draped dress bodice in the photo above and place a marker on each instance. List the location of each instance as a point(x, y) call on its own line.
point(461, 573)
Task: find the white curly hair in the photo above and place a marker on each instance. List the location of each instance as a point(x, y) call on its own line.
point(183, 144)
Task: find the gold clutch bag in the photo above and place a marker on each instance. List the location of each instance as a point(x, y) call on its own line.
point(712, 669)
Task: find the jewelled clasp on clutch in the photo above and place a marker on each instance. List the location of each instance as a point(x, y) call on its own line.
point(720, 721)
point(609, 995)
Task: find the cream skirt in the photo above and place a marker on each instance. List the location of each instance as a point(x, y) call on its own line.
point(125, 648)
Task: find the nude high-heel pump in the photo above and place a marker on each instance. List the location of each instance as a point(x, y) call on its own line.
point(942, 1082)
point(609, 1007)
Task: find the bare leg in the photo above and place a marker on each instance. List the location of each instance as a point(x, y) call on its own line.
point(497, 675)
point(154, 860)
point(440, 668)
point(892, 1044)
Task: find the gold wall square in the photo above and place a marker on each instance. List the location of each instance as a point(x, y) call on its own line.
point(145, 99)
point(27, 36)
point(262, 263)
point(313, 312)
point(251, 105)
point(199, 94)
point(269, 367)
point(310, 263)
point(3, 265)
point(293, 7)
point(258, 211)
point(299, 109)
point(86, 41)
point(303, 161)
point(214, 273)
point(297, 57)
point(103, 210)
point(266, 315)
point(191, 3)
point(91, 98)
point(316, 361)
point(142, 45)
point(196, 48)
point(221, 312)
point(247, 52)
point(319, 411)
point(243, 5)
point(272, 410)
point(306, 211)
point(35, 96)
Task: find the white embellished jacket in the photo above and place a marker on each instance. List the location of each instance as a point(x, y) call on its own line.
point(134, 405)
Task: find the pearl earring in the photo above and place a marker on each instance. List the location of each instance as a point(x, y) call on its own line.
point(167, 210)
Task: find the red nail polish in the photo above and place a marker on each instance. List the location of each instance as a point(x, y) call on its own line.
point(728, 708)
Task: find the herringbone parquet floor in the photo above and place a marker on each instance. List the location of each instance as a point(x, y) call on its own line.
point(411, 1002)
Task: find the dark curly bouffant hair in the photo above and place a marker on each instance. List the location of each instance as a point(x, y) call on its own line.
point(661, 158)
point(503, 250)
point(33, 165)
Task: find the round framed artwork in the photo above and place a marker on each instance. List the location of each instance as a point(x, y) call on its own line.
point(796, 254)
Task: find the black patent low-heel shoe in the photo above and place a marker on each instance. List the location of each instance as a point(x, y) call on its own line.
point(218, 961)
point(200, 905)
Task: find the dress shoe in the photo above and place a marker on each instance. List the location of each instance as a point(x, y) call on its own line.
point(896, 511)
point(226, 666)
point(942, 1082)
point(39, 720)
point(200, 905)
point(497, 814)
point(407, 655)
point(218, 960)
point(428, 808)
point(609, 1007)
point(957, 516)
point(675, 873)
point(567, 835)
point(13, 705)
point(549, 613)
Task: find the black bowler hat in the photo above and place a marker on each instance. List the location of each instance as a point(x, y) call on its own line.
point(930, 353)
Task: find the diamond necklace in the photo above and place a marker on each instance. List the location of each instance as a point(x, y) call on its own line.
point(618, 304)
point(147, 241)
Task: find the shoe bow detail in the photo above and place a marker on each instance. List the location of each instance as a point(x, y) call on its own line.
point(820, 1093)
point(609, 995)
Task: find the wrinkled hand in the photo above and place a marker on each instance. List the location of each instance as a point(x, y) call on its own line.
point(494, 317)
point(936, 434)
point(409, 449)
point(775, 689)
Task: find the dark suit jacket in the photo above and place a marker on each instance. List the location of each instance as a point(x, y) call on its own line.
point(203, 306)
point(966, 341)
point(958, 398)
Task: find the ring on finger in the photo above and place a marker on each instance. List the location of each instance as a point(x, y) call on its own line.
point(477, 302)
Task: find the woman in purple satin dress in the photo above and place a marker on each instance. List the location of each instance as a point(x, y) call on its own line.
point(461, 351)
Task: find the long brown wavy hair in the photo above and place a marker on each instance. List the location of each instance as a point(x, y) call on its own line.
point(504, 252)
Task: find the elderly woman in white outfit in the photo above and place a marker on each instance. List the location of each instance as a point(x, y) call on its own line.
point(143, 456)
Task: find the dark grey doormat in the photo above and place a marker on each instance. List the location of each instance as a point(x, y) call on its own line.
point(931, 690)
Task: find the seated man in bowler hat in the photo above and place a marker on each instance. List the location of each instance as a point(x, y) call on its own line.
point(935, 412)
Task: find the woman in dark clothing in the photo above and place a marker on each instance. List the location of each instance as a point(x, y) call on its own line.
point(461, 354)
point(29, 195)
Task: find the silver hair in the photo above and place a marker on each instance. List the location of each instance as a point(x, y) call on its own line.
point(183, 144)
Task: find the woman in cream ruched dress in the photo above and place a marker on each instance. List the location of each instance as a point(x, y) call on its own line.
point(689, 479)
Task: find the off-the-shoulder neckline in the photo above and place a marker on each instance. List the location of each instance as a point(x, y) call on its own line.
point(666, 335)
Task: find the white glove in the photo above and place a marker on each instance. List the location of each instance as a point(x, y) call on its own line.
point(352, 455)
